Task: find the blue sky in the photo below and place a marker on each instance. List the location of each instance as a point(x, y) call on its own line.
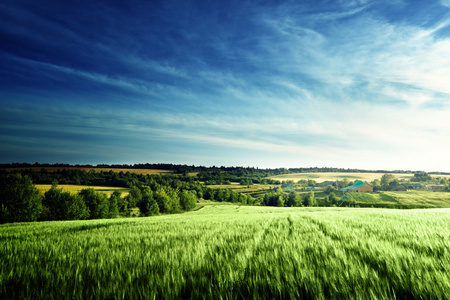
point(351, 84)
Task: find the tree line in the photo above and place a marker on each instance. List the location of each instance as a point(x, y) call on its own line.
point(155, 194)
point(291, 199)
point(21, 201)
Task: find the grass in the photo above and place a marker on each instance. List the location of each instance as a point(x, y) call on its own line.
point(226, 251)
point(201, 203)
point(422, 199)
point(409, 199)
point(247, 189)
point(74, 189)
point(379, 200)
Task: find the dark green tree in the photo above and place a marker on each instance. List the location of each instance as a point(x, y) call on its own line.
point(134, 196)
point(332, 198)
point(376, 184)
point(174, 200)
point(97, 203)
point(122, 203)
point(77, 209)
point(280, 200)
point(55, 204)
point(242, 198)
point(220, 195)
point(187, 200)
point(345, 182)
point(386, 179)
point(294, 199)
point(233, 197)
point(309, 199)
point(208, 194)
point(421, 176)
point(311, 182)
point(250, 200)
point(148, 205)
point(20, 200)
point(163, 201)
point(328, 189)
point(114, 199)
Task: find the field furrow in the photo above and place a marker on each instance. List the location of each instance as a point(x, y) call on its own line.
point(232, 252)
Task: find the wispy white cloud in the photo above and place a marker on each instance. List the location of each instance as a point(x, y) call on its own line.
point(445, 3)
point(342, 86)
point(369, 50)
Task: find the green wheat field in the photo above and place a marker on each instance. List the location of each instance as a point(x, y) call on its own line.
point(226, 251)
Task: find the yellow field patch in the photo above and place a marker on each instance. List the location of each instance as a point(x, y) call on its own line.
point(74, 189)
point(333, 176)
point(137, 171)
point(48, 169)
point(116, 170)
point(242, 188)
point(439, 175)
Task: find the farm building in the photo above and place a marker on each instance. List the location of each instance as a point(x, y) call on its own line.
point(359, 186)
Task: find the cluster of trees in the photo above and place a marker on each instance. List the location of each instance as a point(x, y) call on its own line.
point(161, 199)
point(333, 200)
point(242, 176)
point(302, 182)
point(58, 204)
point(280, 199)
point(228, 195)
point(153, 194)
point(110, 178)
point(340, 170)
point(81, 177)
point(421, 177)
point(21, 201)
point(424, 177)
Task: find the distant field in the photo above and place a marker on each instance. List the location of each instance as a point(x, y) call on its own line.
point(409, 199)
point(242, 188)
point(137, 171)
point(49, 169)
point(333, 176)
point(232, 252)
point(422, 199)
point(74, 189)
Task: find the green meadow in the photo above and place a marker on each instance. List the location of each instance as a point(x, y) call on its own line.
point(407, 199)
point(228, 251)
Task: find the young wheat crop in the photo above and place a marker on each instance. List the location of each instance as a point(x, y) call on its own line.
point(232, 252)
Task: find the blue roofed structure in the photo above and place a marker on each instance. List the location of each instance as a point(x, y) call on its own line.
point(358, 186)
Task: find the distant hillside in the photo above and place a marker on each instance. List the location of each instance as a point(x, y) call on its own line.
point(179, 168)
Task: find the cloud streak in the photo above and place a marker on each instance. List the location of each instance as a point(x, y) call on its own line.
point(349, 84)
